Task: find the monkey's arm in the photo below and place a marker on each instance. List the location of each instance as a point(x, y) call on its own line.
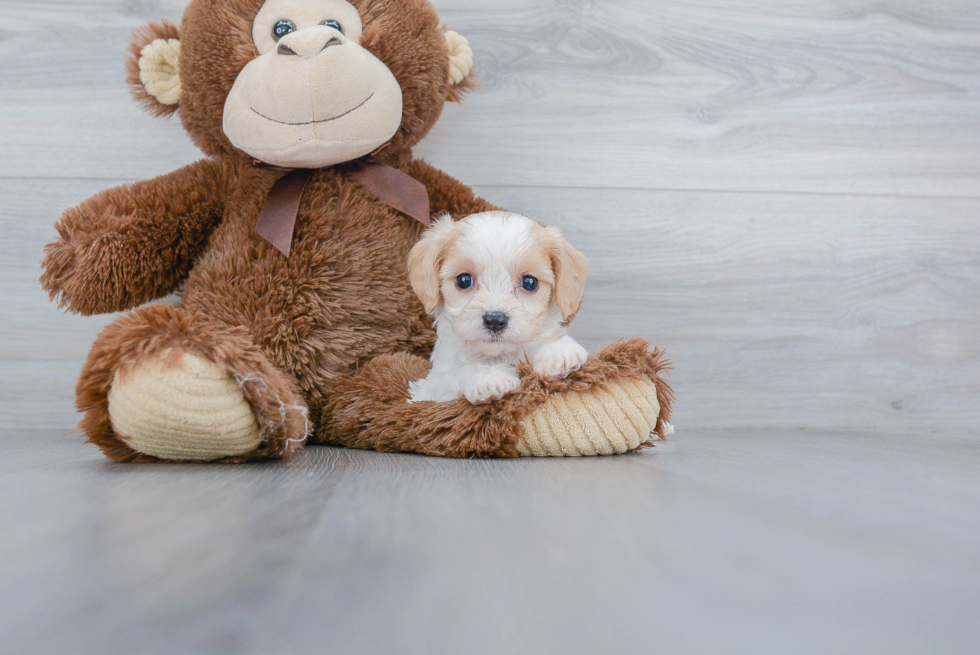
point(448, 195)
point(134, 243)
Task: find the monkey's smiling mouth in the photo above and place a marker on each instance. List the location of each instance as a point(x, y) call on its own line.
point(326, 120)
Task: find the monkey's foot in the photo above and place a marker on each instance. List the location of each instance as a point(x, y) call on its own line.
point(615, 418)
point(177, 406)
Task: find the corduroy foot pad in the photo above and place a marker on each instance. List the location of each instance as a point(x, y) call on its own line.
point(608, 420)
point(183, 389)
point(189, 410)
point(617, 402)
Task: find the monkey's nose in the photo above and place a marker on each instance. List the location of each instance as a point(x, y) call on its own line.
point(309, 43)
point(496, 322)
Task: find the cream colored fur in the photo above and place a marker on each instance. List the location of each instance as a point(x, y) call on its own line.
point(159, 65)
point(321, 106)
point(193, 410)
point(460, 57)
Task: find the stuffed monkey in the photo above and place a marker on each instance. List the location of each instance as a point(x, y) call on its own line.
point(287, 244)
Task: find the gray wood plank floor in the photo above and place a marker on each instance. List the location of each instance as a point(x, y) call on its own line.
point(748, 542)
point(785, 195)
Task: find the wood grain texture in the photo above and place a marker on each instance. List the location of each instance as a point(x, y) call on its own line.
point(856, 97)
point(734, 542)
point(783, 194)
point(778, 310)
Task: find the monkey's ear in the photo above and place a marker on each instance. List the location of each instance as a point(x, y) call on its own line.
point(153, 67)
point(462, 77)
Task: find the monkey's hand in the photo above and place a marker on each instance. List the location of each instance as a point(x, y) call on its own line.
point(134, 243)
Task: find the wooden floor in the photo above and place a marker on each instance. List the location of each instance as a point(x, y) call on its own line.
point(748, 542)
point(785, 195)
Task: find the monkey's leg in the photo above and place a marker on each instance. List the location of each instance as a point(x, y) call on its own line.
point(163, 384)
point(369, 410)
point(616, 402)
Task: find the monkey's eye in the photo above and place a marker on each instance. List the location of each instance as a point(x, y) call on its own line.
point(334, 24)
point(282, 28)
point(464, 281)
point(529, 283)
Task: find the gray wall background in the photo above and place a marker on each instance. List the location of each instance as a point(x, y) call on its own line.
point(784, 195)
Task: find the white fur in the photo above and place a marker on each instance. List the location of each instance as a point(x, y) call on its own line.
point(468, 361)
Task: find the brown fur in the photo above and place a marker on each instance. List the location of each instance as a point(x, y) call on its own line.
point(297, 327)
point(132, 244)
point(370, 409)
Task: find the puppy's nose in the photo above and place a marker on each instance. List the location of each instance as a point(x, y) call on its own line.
point(309, 42)
point(496, 322)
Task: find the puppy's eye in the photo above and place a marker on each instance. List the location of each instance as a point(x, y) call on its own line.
point(334, 24)
point(464, 281)
point(529, 283)
point(282, 28)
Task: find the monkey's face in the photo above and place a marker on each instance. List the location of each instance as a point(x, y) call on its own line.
point(314, 97)
point(301, 83)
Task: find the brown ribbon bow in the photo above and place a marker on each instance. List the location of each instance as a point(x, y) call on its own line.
point(400, 191)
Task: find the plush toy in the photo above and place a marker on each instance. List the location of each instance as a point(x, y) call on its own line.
point(288, 246)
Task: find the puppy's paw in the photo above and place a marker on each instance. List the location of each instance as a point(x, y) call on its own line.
point(556, 360)
point(491, 385)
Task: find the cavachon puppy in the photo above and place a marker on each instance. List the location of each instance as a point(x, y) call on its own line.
point(501, 288)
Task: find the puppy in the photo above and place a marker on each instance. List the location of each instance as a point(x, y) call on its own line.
point(501, 288)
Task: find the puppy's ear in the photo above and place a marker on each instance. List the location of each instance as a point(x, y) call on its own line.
point(571, 269)
point(426, 258)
